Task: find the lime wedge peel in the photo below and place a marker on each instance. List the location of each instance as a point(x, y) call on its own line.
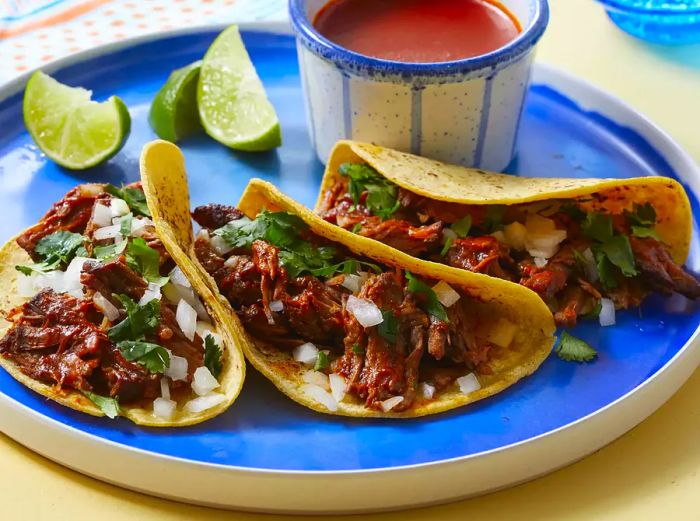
point(233, 106)
point(173, 113)
point(70, 128)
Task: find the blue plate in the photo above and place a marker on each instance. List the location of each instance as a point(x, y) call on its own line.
point(264, 429)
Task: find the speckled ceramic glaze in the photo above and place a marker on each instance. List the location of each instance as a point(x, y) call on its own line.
point(464, 111)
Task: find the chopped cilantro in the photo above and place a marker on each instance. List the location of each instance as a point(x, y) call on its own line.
point(212, 356)
point(462, 227)
point(125, 224)
point(322, 361)
point(643, 232)
point(572, 349)
point(356, 228)
point(56, 250)
point(389, 327)
point(382, 195)
point(606, 270)
point(145, 260)
point(430, 303)
point(134, 198)
point(109, 251)
point(598, 227)
point(357, 349)
point(109, 406)
point(642, 215)
point(619, 252)
point(573, 211)
point(348, 267)
point(152, 356)
point(446, 247)
point(140, 320)
point(494, 218)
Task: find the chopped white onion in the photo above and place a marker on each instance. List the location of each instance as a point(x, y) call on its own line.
point(233, 261)
point(276, 306)
point(305, 353)
point(118, 207)
point(338, 385)
point(677, 303)
point(607, 312)
point(163, 408)
point(365, 311)
point(101, 215)
point(186, 318)
point(203, 234)
point(502, 332)
point(71, 279)
point(515, 234)
point(390, 403)
point(108, 232)
point(177, 370)
point(320, 395)
point(352, 282)
point(164, 388)
point(219, 245)
point(544, 245)
point(108, 309)
point(499, 236)
point(140, 226)
point(51, 280)
point(590, 266)
point(316, 378)
point(448, 233)
point(202, 403)
point(25, 285)
point(445, 294)
point(178, 278)
point(152, 293)
point(427, 390)
point(203, 382)
point(468, 383)
point(540, 262)
point(171, 293)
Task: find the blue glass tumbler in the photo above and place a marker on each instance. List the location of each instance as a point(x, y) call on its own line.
point(659, 21)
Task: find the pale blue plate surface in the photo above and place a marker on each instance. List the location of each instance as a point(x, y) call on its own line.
point(264, 429)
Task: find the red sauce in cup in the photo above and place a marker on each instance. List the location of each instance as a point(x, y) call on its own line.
point(418, 31)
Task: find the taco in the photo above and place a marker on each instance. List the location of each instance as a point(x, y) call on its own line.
point(100, 318)
point(340, 323)
point(581, 244)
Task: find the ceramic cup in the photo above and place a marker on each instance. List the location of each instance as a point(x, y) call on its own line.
point(465, 112)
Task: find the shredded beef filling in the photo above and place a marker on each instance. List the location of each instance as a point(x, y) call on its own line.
point(415, 228)
point(312, 310)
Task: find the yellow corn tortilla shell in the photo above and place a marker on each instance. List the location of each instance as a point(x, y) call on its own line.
point(456, 184)
point(231, 377)
point(491, 299)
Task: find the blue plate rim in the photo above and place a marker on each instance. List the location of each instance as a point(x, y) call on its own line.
point(543, 74)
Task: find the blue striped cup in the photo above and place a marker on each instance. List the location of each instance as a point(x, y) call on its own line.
point(465, 111)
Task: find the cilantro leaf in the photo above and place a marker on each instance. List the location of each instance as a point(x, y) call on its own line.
point(606, 270)
point(573, 211)
point(109, 251)
point(348, 267)
point(145, 260)
point(642, 215)
point(494, 218)
point(125, 224)
point(152, 356)
point(619, 252)
point(389, 327)
point(643, 232)
point(55, 250)
point(382, 195)
point(430, 303)
point(598, 227)
point(109, 406)
point(357, 349)
point(462, 227)
point(134, 198)
point(278, 228)
point(572, 349)
point(212, 356)
point(356, 228)
point(322, 361)
point(446, 247)
point(140, 320)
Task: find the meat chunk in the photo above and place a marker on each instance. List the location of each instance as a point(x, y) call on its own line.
point(214, 216)
point(659, 271)
point(481, 255)
point(112, 278)
point(550, 279)
point(72, 213)
point(237, 277)
point(414, 240)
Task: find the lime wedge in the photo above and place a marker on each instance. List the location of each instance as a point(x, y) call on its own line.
point(232, 103)
point(173, 114)
point(68, 127)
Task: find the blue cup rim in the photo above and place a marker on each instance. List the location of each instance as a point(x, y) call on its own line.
point(671, 10)
point(312, 39)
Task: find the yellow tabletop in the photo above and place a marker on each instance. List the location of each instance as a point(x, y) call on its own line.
point(650, 473)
